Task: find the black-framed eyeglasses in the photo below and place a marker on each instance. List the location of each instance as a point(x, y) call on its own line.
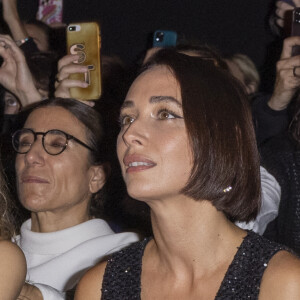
point(54, 141)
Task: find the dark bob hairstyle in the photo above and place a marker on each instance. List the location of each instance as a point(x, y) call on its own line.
point(219, 125)
point(91, 120)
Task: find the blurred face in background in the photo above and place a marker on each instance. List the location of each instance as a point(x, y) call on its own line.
point(12, 104)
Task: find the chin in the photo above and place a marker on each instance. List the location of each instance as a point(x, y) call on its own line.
point(143, 194)
point(33, 203)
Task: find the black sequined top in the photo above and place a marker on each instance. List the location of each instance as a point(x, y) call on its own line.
point(122, 277)
point(281, 157)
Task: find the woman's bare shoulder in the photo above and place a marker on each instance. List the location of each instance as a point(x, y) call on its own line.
point(89, 286)
point(11, 254)
point(12, 270)
point(281, 279)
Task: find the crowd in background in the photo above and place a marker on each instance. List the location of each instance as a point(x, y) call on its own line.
point(81, 209)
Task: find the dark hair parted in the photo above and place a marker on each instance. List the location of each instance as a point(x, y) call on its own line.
point(219, 125)
point(91, 119)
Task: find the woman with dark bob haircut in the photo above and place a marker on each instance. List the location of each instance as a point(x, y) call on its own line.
point(187, 149)
point(60, 172)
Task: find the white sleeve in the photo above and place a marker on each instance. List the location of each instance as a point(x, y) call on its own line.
point(270, 198)
point(50, 293)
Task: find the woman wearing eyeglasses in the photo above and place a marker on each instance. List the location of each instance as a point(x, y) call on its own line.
point(61, 171)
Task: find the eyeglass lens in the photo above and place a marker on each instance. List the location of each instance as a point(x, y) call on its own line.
point(54, 141)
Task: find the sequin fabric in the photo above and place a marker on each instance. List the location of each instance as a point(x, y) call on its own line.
point(122, 278)
point(281, 157)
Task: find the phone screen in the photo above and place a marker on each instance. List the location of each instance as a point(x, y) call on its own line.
point(296, 29)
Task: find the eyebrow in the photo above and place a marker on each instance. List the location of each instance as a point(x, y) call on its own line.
point(158, 99)
point(153, 99)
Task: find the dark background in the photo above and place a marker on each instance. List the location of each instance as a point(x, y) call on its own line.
point(231, 25)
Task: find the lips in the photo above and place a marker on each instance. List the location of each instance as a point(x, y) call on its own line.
point(136, 163)
point(33, 179)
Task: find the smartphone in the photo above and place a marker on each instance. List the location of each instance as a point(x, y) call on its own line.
point(295, 30)
point(84, 40)
point(164, 38)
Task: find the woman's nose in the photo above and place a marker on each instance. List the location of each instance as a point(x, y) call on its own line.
point(36, 153)
point(135, 134)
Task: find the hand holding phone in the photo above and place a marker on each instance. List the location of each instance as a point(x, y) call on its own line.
point(83, 39)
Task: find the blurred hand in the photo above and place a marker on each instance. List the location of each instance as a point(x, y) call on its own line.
point(15, 75)
point(281, 10)
point(286, 83)
point(30, 292)
point(66, 67)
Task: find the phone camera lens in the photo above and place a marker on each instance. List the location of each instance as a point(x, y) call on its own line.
point(159, 36)
point(72, 28)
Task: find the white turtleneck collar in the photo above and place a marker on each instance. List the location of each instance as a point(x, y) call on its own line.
point(55, 242)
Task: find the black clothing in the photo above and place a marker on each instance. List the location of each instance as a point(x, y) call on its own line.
point(281, 157)
point(29, 47)
point(267, 122)
point(122, 277)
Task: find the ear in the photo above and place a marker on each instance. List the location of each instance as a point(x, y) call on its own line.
point(97, 178)
point(251, 88)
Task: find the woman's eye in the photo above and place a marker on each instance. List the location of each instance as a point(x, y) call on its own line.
point(57, 145)
point(126, 120)
point(164, 115)
point(24, 143)
point(11, 102)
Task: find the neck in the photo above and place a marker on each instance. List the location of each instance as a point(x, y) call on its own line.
point(50, 221)
point(192, 234)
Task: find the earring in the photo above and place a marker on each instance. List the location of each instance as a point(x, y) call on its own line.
point(228, 189)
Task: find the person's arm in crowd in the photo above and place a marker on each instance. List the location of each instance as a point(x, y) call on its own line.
point(270, 113)
point(15, 75)
point(287, 76)
point(30, 292)
point(12, 19)
point(267, 122)
point(40, 292)
point(89, 286)
point(270, 198)
point(12, 270)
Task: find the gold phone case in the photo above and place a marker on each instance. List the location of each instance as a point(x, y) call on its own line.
point(84, 39)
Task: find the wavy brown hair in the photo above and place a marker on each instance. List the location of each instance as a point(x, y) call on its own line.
point(7, 225)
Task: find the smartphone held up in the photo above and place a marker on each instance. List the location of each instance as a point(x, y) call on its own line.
point(84, 40)
point(164, 38)
point(295, 30)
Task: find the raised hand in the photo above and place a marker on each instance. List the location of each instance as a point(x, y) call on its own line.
point(15, 75)
point(287, 76)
